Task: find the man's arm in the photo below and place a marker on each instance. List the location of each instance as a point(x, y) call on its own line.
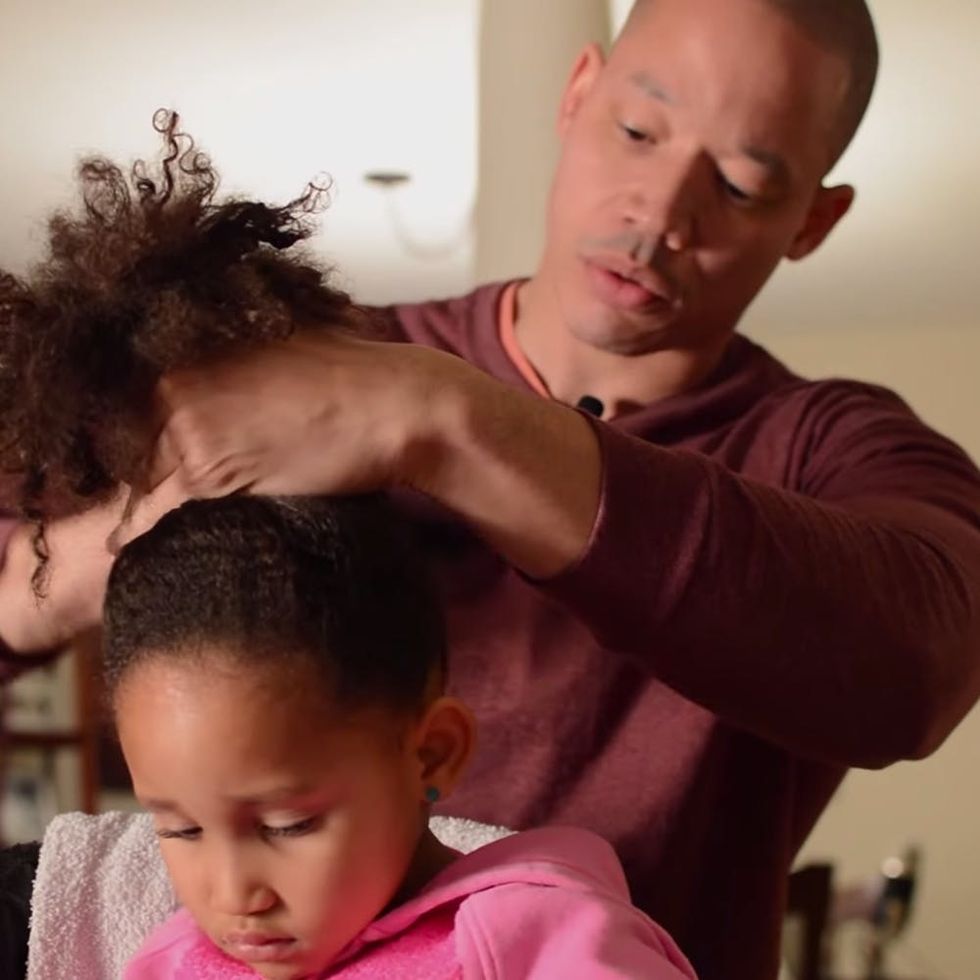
point(844, 631)
point(322, 414)
point(843, 624)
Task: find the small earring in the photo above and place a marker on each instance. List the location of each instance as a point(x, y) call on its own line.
point(432, 794)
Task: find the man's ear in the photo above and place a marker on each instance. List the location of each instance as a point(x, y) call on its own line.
point(444, 741)
point(830, 204)
point(585, 71)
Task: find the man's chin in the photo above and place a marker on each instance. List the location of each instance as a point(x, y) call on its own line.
point(623, 338)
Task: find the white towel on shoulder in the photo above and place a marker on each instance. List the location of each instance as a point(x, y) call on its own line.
point(101, 888)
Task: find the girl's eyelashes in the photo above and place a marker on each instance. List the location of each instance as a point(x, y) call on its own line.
point(296, 829)
point(188, 833)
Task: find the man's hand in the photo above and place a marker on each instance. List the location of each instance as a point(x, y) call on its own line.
point(326, 414)
point(75, 581)
point(319, 415)
point(81, 552)
point(314, 414)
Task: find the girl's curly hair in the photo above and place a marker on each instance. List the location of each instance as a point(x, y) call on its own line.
point(150, 275)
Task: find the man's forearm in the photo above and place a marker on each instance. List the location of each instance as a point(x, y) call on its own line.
point(523, 472)
point(844, 633)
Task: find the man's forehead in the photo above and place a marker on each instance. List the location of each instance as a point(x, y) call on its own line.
point(760, 152)
point(766, 89)
point(706, 34)
point(677, 50)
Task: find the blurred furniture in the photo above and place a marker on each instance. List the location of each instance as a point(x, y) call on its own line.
point(75, 731)
point(815, 909)
point(809, 899)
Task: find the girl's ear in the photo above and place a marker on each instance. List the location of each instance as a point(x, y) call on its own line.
point(444, 741)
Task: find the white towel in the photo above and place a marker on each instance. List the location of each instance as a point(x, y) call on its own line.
point(102, 887)
point(466, 835)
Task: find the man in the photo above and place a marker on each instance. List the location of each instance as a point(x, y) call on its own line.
point(678, 626)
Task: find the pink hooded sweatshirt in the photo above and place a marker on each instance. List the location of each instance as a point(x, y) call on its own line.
point(546, 904)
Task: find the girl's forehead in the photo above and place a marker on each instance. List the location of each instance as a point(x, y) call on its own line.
point(223, 674)
point(210, 740)
point(205, 707)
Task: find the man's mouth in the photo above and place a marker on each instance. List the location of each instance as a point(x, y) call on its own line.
point(628, 288)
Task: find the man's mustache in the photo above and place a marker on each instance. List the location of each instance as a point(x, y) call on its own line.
point(644, 250)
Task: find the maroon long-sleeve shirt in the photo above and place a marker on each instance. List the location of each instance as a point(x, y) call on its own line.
point(783, 581)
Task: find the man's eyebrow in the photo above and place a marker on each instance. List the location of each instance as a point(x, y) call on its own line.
point(650, 86)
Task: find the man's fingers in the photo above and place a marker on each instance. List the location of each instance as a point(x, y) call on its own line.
point(165, 459)
point(144, 510)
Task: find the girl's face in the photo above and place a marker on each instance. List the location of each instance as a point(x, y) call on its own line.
point(286, 826)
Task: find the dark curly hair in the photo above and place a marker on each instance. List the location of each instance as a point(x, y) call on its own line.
point(151, 275)
point(335, 583)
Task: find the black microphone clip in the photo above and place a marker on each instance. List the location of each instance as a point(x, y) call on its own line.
point(592, 405)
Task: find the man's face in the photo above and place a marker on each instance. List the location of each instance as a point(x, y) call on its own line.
point(691, 165)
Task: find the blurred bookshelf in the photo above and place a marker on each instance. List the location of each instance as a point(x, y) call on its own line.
point(50, 735)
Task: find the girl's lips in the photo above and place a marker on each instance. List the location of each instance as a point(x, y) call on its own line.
point(624, 293)
point(255, 947)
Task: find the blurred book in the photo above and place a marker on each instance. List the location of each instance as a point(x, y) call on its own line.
point(43, 700)
point(29, 797)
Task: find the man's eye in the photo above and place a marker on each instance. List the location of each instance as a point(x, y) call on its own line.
point(735, 192)
point(633, 134)
point(292, 830)
point(188, 834)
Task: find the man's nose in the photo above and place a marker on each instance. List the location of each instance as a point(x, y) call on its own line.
point(662, 203)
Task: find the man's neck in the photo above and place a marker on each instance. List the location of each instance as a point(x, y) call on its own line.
point(571, 368)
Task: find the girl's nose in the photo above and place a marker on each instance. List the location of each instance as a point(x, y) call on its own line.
point(236, 892)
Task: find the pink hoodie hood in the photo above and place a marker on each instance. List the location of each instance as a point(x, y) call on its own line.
point(540, 905)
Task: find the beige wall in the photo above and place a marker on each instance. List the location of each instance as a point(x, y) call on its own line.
point(277, 93)
point(527, 48)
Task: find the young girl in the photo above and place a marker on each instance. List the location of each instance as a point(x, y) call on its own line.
point(276, 667)
point(277, 672)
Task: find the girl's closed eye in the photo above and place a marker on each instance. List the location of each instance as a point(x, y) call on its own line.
point(294, 829)
point(185, 833)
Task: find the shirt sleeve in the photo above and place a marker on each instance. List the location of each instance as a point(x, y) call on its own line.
point(538, 933)
point(840, 620)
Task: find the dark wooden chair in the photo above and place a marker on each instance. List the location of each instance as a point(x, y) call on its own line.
point(809, 900)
